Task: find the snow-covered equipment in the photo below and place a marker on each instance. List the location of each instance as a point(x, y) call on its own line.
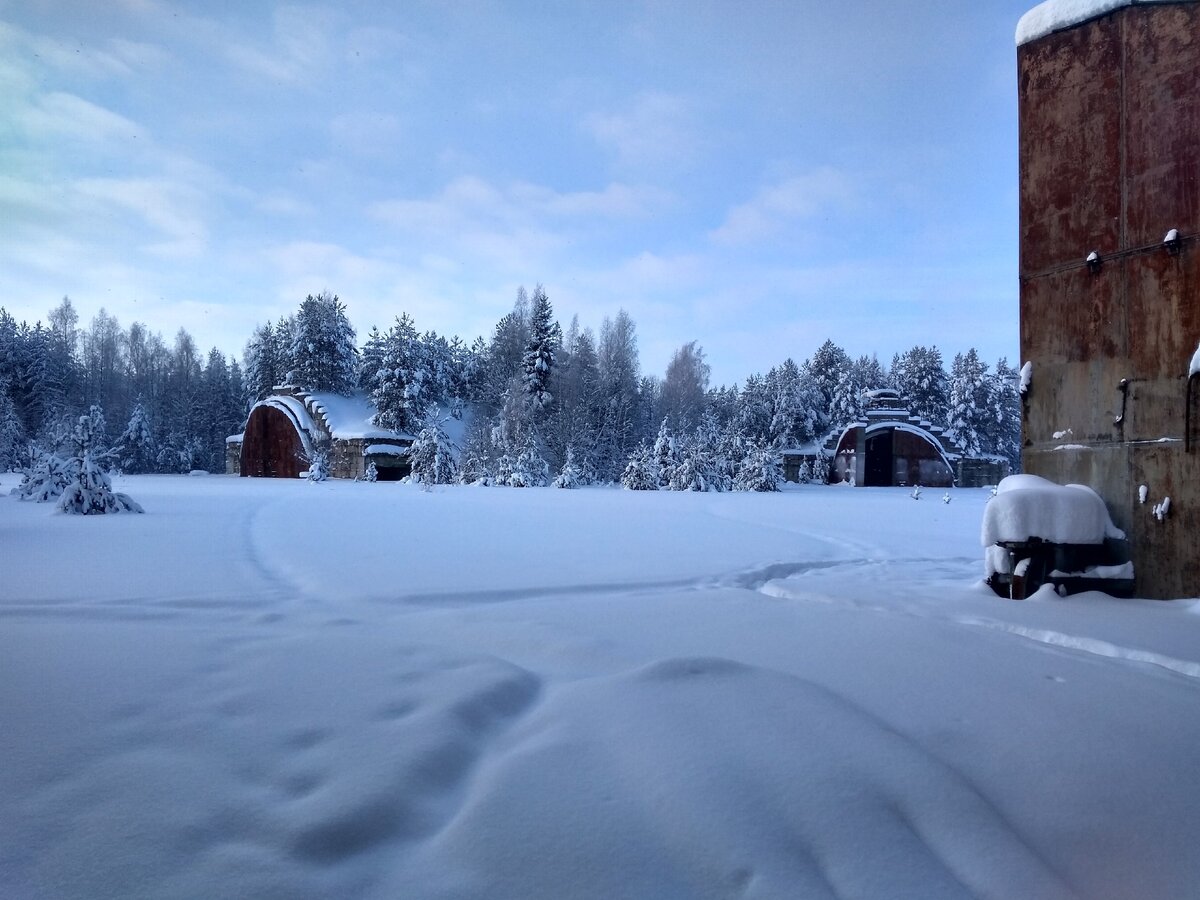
point(1036, 532)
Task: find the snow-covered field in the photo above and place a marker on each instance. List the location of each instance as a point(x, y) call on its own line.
point(278, 689)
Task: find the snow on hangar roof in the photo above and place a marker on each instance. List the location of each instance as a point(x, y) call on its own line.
point(1055, 15)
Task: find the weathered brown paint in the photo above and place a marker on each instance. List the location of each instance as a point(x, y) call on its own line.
point(271, 447)
point(1109, 162)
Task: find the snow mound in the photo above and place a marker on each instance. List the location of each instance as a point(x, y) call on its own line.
point(1027, 506)
point(1055, 15)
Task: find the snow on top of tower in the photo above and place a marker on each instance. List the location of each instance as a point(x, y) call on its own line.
point(1055, 15)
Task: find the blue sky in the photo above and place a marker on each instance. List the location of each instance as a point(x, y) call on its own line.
point(755, 176)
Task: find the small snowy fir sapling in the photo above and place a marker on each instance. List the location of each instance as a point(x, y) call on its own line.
point(89, 490)
point(318, 464)
point(571, 476)
point(820, 469)
point(805, 475)
point(946, 497)
point(641, 472)
point(372, 473)
point(916, 493)
point(530, 468)
point(44, 480)
point(760, 471)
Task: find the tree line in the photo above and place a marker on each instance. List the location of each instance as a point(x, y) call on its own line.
point(547, 404)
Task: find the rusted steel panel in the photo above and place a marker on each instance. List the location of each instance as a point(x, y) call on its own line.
point(1110, 161)
point(1162, 121)
point(1069, 150)
point(271, 447)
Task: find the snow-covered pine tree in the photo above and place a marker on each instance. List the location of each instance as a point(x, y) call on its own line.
point(666, 456)
point(88, 490)
point(805, 475)
point(317, 458)
point(571, 476)
point(432, 456)
point(970, 408)
point(920, 378)
point(399, 386)
point(530, 468)
point(323, 352)
point(820, 467)
point(545, 338)
point(641, 472)
point(825, 369)
point(372, 472)
point(759, 471)
point(12, 433)
point(477, 462)
point(1002, 436)
point(135, 447)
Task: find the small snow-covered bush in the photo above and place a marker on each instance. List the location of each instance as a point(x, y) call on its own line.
point(372, 473)
point(44, 480)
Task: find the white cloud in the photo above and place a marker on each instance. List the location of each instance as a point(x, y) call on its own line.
point(658, 128)
point(63, 115)
point(170, 207)
point(300, 50)
point(824, 191)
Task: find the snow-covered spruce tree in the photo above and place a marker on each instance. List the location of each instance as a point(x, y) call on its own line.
point(432, 456)
point(666, 456)
point(969, 411)
point(571, 475)
point(372, 472)
point(12, 433)
point(530, 468)
point(805, 475)
point(399, 387)
point(920, 378)
point(88, 490)
point(135, 447)
point(324, 356)
point(641, 472)
point(820, 468)
point(317, 458)
point(1002, 436)
point(759, 471)
point(44, 479)
point(477, 463)
point(537, 364)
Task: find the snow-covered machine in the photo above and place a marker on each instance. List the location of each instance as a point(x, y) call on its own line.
point(1036, 532)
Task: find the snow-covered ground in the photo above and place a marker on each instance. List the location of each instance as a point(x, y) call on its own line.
point(280, 689)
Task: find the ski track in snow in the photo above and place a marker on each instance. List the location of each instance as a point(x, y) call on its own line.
point(784, 586)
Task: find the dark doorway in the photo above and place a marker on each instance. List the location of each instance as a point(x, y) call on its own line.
point(878, 465)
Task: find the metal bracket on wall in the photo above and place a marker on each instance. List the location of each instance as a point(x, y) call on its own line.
point(1123, 387)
